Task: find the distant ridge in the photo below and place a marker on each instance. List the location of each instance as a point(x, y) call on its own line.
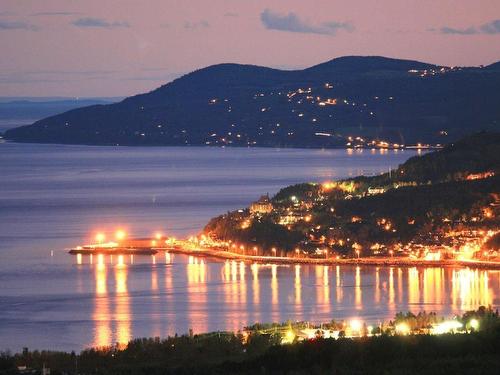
point(494, 66)
point(353, 101)
point(363, 64)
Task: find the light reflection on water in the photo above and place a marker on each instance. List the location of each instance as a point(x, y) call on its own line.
point(207, 294)
point(53, 197)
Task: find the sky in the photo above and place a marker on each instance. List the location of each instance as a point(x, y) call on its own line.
point(101, 48)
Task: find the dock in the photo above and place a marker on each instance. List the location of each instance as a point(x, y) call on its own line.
point(113, 250)
point(139, 246)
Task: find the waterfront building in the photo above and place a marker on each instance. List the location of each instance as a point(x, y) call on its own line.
point(262, 206)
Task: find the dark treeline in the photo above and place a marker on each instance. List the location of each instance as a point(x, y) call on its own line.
point(475, 352)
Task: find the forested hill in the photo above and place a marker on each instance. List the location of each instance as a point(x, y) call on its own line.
point(476, 154)
point(444, 198)
point(351, 101)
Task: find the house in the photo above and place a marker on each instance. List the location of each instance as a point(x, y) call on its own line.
point(375, 190)
point(262, 206)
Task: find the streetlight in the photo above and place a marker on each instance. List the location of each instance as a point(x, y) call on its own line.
point(120, 235)
point(355, 326)
point(158, 235)
point(100, 237)
point(474, 324)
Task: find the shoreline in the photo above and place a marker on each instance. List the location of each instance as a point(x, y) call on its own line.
point(391, 262)
point(201, 145)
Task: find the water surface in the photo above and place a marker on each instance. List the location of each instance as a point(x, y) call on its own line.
point(53, 197)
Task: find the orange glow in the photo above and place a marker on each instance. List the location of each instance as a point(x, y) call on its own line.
point(413, 286)
point(298, 286)
point(433, 256)
point(100, 237)
point(338, 279)
point(101, 315)
point(274, 285)
point(120, 235)
point(392, 294)
point(358, 302)
point(122, 304)
point(255, 283)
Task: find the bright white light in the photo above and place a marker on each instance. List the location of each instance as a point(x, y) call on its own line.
point(402, 329)
point(120, 234)
point(446, 327)
point(356, 325)
point(474, 324)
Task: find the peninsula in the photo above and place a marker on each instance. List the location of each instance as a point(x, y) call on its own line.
point(442, 206)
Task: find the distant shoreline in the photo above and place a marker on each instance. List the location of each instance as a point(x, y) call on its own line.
point(386, 261)
point(201, 145)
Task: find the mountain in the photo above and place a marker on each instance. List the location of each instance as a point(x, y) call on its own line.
point(351, 99)
point(16, 111)
point(494, 66)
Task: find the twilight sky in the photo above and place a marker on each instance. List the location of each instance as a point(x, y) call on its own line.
point(123, 47)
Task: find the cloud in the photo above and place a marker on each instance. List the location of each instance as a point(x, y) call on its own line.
point(231, 14)
point(55, 14)
point(17, 25)
point(292, 23)
point(491, 28)
point(90, 22)
point(203, 24)
point(451, 30)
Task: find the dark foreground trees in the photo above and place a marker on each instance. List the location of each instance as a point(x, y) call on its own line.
point(227, 353)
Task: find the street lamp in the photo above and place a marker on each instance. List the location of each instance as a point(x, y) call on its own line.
point(474, 324)
point(100, 237)
point(120, 235)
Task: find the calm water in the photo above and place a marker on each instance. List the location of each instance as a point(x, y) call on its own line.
point(53, 197)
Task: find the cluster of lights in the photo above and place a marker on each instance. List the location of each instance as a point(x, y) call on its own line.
point(120, 235)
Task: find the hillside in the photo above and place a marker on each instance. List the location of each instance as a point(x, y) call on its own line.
point(21, 111)
point(346, 101)
point(448, 198)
